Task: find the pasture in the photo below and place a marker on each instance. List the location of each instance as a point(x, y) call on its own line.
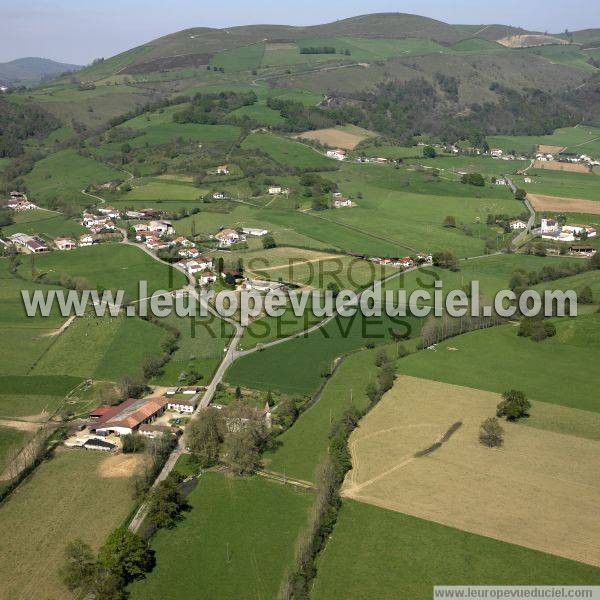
point(45, 223)
point(158, 189)
point(260, 113)
point(101, 348)
point(532, 477)
point(287, 152)
point(560, 370)
point(61, 177)
point(563, 184)
point(305, 443)
point(10, 440)
point(236, 542)
point(347, 137)
point(66, 498)
point(379, 553)
point(108, 266)
point(244, 58)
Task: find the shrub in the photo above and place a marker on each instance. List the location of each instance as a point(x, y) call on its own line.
point(491, 433)
point(514, 406)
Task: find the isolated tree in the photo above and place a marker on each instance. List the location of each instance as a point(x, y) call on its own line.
point(491, 433)
point(268, 241)
point(514, 406)
point(446, 260)
point(126, 555)
point(242, 452)
point(166, 503)
point(585, 295)
point(520, 194)
point(204, 437)
point(79, 571)
point(429, 152)
point(449, 221)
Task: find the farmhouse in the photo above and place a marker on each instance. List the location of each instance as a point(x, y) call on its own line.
point(528, 180)
point(501, 181)
point(154, 431)
point(342, 202)
point(274, 190)
point(161, 228)
point(207, 278)
point(422, 258)
point(135, 214)
point(140, 231)
point(254, 232)
point(21, 204)
point(188, 252)
point(195, 265)
point(549, 225)
point(65, 244)
point(518, 224)
point(28, 244)
point(218, 196)
point(110, 212)
point(86, 239)
point(183, 241)
point(227, 237)
point(128, 416)
point(337, 154)
point(496, 153)
point(183, 405)
point(223, 170)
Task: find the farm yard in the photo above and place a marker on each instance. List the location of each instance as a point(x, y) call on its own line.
point(532, 476)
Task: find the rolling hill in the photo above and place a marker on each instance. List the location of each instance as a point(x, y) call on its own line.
point(32, 69)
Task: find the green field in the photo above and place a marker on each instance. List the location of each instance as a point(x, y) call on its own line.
point(45, 223)
point(62, 176)
point(558, 370)
point(304, 444)
point(235, 543)
point(106, 348)
point(244, 58)
point(582, 138)
point(63, 500)
point(153, 190)
point(568, 55)
point(260, 113)
point(299, 365)
point(377, 553)
point(108, 266)
point(585, 186)
point(10, 439)
point(287, 152)
point(22, 396)
point(474, 164)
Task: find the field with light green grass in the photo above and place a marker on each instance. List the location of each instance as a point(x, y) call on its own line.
point(559, 370)
point(108, 266)
point(62, 176)
point(306, 97)
point(40, 518)
point(244, 58)
point(302, 364)
point(488, 167)
point(44, 222)
point(237, 541)
point(583, 139)
point(10, 440)
point(155, 189)
point(287, 152)
point(378, 553)
point(567, 55)
point(29, 395)
point(260, 113)
point(101, 348)
point(585, 186)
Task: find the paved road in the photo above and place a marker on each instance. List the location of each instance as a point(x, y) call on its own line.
point(530, 222)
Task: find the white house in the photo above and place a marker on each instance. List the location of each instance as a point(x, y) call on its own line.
point(254, 232)
point(65, 244)
point(337, 154)
point(527, 180)
point(218, 196)
point(342, 203)
point(549, 226)
point(161, 227)
point(86, 239)
point(183, 405)
point(274, 190)
point(188, 252)
point(110, 212)
point(140, 231)
point(496, 153)
point(196, 265)
point(227, 237)
point(223, 170)
point(501, 181)
point(421, 257)
point(518, 224)
point(207, 277)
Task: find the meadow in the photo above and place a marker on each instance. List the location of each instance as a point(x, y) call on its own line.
point(236, 542)
point(301, 365)
point(108, 266)
point(155, 189)
point(10, 439)
point(378, 553)
point(558, 370)
point(49, 510)
point(287, 152)
point(532, 476)
point(101, 348)
point(244, 58)
point(45, 223)
point(61, 177)
point(260, 113)
point(562, 184)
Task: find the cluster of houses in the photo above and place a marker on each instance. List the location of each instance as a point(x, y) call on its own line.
point(518, 224)
point(499, 154)
point(102, 221)
point(567, 158)
point(152, 234)
point(405, 262)
point(202, 265)
point(19, 202)
point(551, 230)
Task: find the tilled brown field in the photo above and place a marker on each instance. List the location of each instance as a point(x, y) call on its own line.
point(540, 490)
point(576, 205)
point(555, 165)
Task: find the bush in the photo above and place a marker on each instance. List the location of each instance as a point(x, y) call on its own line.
point(585, 295)
point(475, 179)
point(429, 152)
point(491, 433)
point(514, 406)
point(133, 442)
